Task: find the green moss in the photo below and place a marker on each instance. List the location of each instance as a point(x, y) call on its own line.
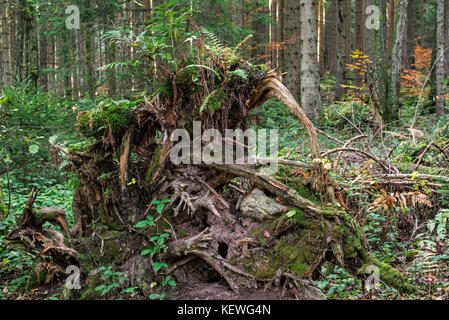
point(106, 220)
point(153, 167)
point(95, 123)
point(185, 79)
point(294, 252)
point(258, 232)
point(261, 266)
point(166, 90)
point(394, 278)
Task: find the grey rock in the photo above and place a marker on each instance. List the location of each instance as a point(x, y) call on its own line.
point(258, 206)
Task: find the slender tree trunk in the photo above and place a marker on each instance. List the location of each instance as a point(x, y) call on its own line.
point(411, 34)
point(292, 54)
point(310, 79)
point(43, 57)
point(359, 33)
point(2, 52)
point(12, 42)
point(396, 58)
point(446, 37)
point(52, 61)
point(341, 48)
point(321, 34)
point(440, 105)
point(334, 36)
point(391, 9)
point(19, 57)
point(348, 29)
point(381, 62)
point(274, 33)
point(422, 36)
point(369, 34)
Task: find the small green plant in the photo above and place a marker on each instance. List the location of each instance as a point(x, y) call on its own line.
point(149, 221)
point(155, 296)
point(159, 245)
point(160, 204)
point(168, 281)
point(112, 279)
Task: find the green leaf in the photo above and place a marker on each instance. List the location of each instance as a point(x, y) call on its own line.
point(159, 265)
point(146, 252)
point(33, 149)
point(100, 287)
point(52, 298)
point(172, 283)
point(291, 213)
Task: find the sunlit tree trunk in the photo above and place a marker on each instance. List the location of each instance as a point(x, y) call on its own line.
point(321, 34)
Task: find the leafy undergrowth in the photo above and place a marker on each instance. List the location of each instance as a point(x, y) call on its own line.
point(405, 225)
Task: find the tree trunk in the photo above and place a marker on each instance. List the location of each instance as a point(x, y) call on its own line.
point(446, 37)
point(396, 58)
point(348, 29)
point(412, 26)
point(292, 54)
point(333, 37)
point(381, 79)
point(440, 105)
point(359, 34)
point(391, 13)
point(341, 48)
point(310, 79)
point(321, 34)
point(43, 58)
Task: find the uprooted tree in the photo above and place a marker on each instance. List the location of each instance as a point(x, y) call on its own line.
point(232, 220)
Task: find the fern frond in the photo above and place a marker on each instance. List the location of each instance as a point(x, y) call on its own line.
point(239, 73)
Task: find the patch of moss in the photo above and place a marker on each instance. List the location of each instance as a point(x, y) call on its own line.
point(95, 123)
point(185, 79)
point(110, 222)
point(165, 91)
point(394, 278)
point(153, 167)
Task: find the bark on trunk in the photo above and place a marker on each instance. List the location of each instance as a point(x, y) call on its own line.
point(396, 62)
point(440, 105)
point(310, 79)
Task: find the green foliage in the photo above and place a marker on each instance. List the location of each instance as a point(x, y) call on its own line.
point(112, 280)
point(31, 118)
